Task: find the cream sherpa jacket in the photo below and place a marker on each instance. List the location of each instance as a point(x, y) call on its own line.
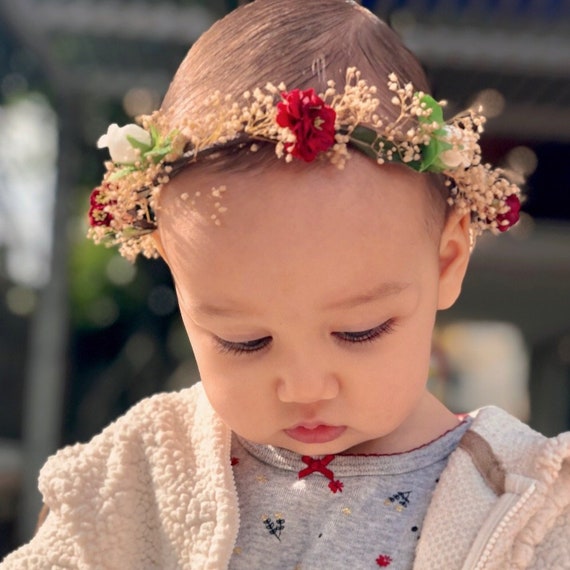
point(155, 491)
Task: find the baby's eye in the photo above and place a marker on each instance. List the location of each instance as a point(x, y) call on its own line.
point(248, 346)
point(368, 335)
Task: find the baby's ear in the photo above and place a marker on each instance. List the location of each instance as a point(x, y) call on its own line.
point(454, 252)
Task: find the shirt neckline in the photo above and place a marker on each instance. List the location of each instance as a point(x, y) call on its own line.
point(356, 464)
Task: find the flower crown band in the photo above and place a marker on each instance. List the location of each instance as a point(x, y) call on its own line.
point(302, 125)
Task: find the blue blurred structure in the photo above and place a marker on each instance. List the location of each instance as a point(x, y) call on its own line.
point(540, 10)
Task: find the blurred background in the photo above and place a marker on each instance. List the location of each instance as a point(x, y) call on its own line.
point(84, 335)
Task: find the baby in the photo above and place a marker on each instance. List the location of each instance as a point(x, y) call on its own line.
point(316, 211)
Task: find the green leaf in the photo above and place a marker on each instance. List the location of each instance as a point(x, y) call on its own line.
point(154, 135)
point(123, 172)
point(367, 141)
point(436, 110)
point(158, 154)
point(431, 152)
point(143, 147)
point(362, 134)
point(164, 149)
point(430, 155)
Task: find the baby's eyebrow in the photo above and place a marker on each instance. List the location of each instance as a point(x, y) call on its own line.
point(386, 289)
point(219, 311)
point(383, 290)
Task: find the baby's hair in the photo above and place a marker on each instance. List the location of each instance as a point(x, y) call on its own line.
point(303, 46)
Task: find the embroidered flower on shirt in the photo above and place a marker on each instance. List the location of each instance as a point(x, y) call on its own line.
point(383, 560)
point(400, 500)
point(275, 527)
point(336, 486)
point(234, 461)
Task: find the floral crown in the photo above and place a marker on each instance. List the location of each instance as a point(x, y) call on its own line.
point(302, 125)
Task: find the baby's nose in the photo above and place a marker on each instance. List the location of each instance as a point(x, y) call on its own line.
point(307, 386)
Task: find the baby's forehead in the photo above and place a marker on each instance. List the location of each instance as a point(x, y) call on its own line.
point(310, 200)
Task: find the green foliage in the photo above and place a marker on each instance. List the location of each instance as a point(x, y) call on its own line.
point(430, 154)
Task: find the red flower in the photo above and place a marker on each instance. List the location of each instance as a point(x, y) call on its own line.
point(336, 486)
point(311, 121)
point(512, 215)
point(234, 461)
point(383, 560)
point(98, 216)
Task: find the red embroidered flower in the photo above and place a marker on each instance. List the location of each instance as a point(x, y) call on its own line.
point(383, 560)
point(234, 461)
point(512, 216)
point(336, 486)
point(98, 216)
point(311, 121)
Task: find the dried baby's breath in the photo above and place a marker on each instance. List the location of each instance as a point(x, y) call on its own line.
point(417, 137)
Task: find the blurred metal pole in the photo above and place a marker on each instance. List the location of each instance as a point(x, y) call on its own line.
point(45, 381)
point(47, 370)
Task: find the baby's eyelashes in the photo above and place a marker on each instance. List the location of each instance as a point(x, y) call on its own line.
point(368, 335)
point(349, 337)
point(248, 346)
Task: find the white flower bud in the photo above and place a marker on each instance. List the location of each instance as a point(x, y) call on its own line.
point(458, 155)
point(451, 158)
point(120, 149)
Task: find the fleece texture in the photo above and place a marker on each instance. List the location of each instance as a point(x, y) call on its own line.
point(155, 490)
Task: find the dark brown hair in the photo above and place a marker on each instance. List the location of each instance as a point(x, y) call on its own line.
point(303, 43)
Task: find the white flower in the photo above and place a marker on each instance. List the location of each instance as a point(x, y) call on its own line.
point(120, 149)
point(458, 155)
point(452, 158)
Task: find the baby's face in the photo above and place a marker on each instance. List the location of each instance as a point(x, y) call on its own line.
point(310, 309)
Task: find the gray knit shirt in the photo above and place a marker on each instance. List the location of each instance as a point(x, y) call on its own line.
point(336, 511)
